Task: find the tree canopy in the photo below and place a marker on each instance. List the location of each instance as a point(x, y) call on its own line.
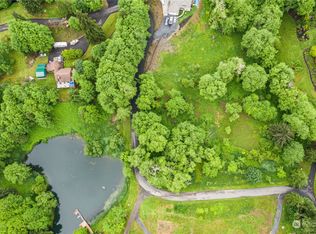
point(28, 37)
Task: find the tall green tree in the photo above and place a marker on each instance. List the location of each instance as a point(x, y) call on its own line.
point(281, 134)
point(17, 173)
point(293, 153)
point(260, 45)
point(212, 87)
point(254, 78)
point(28, 37)
point(92, 30)
point(6, 60)
point(32, 6)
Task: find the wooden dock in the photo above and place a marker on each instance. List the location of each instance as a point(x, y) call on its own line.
point(84, 223)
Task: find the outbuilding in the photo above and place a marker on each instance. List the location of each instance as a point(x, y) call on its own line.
point(40, 72)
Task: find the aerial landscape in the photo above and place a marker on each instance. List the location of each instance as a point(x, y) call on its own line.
point(157, 116)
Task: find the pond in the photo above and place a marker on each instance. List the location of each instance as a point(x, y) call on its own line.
point(80, 182)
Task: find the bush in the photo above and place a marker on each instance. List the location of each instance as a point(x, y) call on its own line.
point(16, 173)
point(88, 5)
point(72, 54)
point(74, 23)
point(298, 179)
point(253, 175)
point(4, 4)
point(313, 51)
point(115, 220)
point(293, 153)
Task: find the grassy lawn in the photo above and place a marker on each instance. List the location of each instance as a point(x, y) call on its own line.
point(109, 25)
point(127, 200)
point(49, 11)
point(244, 215)
point(65, 34)
point(24, 67)
point(291, 52)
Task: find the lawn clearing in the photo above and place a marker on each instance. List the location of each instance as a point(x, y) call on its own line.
point(109, 25)
point(291, 52)
point(244, 215)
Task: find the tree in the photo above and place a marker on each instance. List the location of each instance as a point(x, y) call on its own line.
point(230, 69)
point(253, 175)
point(81, 230)
point(269, 17)
point(260, 110)
point(124, 51)
point(25, 215)
point(176, 105)
point(259, 45)
point(92, 30)
point(233, 109)
point(4, 4)
point(313, 51)
point(28, 37)
point(303, 7)
point(230, 15)
point(88, 5)
point(212, 164)
point(155, 138)
point(281, 134)
point(6, 60)
point(74, 23)
point(16, 173)
point(40, 185)
point(253, 78)
point(149, 93)
point(32, 6)
point(212, 87)
point(143, 120)
point(298, 179)
point(115, 220)
point(293, 153)
point(71, 54)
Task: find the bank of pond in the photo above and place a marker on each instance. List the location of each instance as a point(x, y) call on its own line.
point(79, 182)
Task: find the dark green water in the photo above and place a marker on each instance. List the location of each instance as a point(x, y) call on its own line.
point(80, 182)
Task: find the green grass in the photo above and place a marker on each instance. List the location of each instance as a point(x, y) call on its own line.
point(109, 25)
point(49, 11)
point(24, 67)
point(291, 52)
point(244, 215)
point(65, 34)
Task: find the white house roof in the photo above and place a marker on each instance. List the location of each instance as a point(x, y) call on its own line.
point(172, 7)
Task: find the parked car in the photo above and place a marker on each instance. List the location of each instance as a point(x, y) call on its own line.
point(60, 44)
point(74, 42)
point(167, 21)
point(171, 20)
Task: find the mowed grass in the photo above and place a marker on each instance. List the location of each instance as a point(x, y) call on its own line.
point(244, 215)
point(49, 11)
point(291, 52)
point(109, 25)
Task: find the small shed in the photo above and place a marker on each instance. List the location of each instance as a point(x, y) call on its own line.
point(40, 71)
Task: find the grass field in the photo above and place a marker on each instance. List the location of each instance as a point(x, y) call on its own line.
point(234, 216)
point(291, 52)
point(109, 25)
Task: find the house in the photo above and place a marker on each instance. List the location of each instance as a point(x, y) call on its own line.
point(40, 71)
point(64, 79)
point(173, 7)
point(63, 76)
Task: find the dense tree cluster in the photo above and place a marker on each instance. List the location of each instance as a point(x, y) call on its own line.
point(21, 108)
point(300, 113)
point(260, 110)
point(301, 209)
point(124, 51)
point(4, 4)
point(92, 30)
point(88, 5)
point(213, 86)
point(16, 173)
point(32, 6)
point(28, 37)
point(150, 93)
point(177, 106)
point(254, 78)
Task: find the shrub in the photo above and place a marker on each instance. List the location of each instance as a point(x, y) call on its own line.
point(4, 4)
point(72, 54)
point(88, 5)
point(298, 179)
point(253, 175)
point(74, 23)
point(16, 173)
point(313, 51)
point(293, 153)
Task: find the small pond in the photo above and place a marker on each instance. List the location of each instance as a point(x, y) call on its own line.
point(80, 182)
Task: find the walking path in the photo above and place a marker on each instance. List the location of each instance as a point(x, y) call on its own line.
point(278, 214)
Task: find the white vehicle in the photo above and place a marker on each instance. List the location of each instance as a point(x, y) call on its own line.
point(60, 44)
point(171, 20)
point(166, 21)
point(74, 42)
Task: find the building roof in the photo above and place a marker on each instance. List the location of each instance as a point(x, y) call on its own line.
point(54, 66)
point(63, 75)
point(172, 7)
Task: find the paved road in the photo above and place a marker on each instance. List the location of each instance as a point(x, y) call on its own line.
point(278, 214)
point(210, 195)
